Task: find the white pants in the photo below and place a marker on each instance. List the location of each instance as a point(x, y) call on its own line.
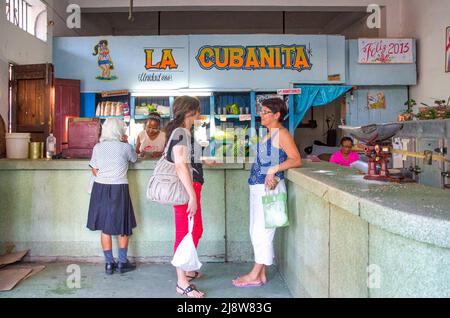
point(262, 238)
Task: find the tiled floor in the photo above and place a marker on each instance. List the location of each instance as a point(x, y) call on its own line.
point(148, 281)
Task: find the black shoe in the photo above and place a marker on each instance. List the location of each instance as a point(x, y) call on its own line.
point(110, 268)
point(125, 267)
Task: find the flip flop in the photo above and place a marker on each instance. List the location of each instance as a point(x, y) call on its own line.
point(249, 285)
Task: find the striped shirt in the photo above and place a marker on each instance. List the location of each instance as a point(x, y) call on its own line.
point(111, 158)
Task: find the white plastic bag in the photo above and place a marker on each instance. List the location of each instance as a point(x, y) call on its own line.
point(275, 208)
point(90, 185)
point(186, 256)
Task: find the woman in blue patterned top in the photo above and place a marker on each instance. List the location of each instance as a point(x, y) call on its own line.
point(276, 153)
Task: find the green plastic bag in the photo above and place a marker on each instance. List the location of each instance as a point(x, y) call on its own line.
point(275, 209)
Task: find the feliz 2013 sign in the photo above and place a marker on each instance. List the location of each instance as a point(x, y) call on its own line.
point(385, 51)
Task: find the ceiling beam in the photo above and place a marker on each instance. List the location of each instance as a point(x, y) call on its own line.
point(91, 9)
point(342, 21)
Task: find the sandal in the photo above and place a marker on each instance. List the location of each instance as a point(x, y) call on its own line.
point(196, 275)
point(188, 290)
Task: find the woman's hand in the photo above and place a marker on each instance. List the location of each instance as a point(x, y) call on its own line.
point(157, 154)
point(211, 163)
point(271, 181)
point(95, 172)
point(192, 206)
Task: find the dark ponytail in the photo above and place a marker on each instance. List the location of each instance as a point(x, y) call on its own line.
point(98, 45)
point(182, 107)
point(95, 50)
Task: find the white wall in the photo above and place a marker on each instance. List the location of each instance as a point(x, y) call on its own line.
point(19, 47)
point(427, 21)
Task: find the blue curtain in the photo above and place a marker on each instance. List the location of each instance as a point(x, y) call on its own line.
point(315, 95)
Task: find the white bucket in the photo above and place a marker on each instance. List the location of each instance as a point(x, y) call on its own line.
point(17, 145)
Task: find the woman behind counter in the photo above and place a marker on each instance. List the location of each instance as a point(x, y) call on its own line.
point(151, 141)
point(345, 156)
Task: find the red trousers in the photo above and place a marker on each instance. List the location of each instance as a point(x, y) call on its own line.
point(182, 222)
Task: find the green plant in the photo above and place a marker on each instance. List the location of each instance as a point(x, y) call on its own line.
point(152, 108)
point(430, 113)
point(234, 143)
point(410, 103)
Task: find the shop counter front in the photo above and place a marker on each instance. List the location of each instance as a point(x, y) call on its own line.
point(350, 237)
point(44, 206)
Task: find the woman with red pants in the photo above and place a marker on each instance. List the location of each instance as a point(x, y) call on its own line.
point(180, 151)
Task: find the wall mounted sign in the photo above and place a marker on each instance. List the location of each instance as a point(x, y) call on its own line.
point(247, 62)
point(115, 93)
point(290, 91)
point(385, 51)
point(272, 57)
point(263, 61)
point(117, 62)
point(376, 100)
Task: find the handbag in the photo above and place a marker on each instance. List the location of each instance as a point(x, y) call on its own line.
point(186, 256)
point(164, 186)
point(275, 209)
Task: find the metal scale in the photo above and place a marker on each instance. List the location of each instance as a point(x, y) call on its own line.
point(378, 149)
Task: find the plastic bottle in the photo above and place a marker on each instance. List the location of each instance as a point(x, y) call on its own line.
point(51, 146)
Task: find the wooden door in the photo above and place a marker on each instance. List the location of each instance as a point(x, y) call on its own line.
point(32, 100)
point(67, 104)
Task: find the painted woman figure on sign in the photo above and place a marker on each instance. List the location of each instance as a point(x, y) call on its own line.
point(104, 60)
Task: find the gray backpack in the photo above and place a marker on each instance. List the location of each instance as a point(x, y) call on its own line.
point(164, 186)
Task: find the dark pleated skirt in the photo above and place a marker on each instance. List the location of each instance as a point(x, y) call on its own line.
point(111, 210)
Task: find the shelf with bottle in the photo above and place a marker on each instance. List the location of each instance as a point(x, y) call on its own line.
point(110, 105)
point(232, 105)
point(143, 106)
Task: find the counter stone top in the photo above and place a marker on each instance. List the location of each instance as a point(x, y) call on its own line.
point(83, 164)
point(411, 210)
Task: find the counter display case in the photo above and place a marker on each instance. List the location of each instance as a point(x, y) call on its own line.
point(235, 111)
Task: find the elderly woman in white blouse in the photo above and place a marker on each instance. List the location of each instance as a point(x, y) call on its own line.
point(110, 208)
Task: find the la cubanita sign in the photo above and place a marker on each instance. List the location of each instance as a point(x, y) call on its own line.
point(208, 61)
point(277, 57)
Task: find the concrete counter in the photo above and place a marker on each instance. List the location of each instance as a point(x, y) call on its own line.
point(44, 206)
point(412, 210)
point(347, 237)
point(355, 238)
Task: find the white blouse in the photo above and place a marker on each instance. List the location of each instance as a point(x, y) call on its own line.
point(111, 158)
